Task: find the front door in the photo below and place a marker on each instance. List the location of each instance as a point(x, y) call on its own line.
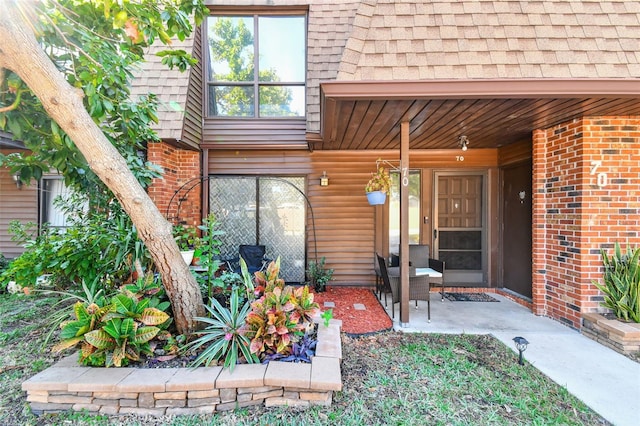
point(459, 228)
point(516, 228)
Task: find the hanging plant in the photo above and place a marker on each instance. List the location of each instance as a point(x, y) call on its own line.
point(378, 186)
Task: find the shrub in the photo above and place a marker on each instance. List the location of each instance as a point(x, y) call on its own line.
point(281, 314)
point(318, 275)
point(94, 246)
point(301, 351)
point(621, 286)
point(112, 332)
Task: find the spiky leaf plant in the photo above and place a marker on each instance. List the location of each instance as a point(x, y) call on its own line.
point(223, 338)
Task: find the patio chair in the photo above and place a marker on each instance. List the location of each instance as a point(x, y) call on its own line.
point(254, 257)
point(419, 258)
point(418, 287)
point(381, 286)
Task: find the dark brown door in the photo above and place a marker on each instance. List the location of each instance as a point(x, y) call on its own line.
point(459, 235)
point(516, 228)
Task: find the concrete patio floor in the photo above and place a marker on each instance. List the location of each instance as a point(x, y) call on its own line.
point(605, 380)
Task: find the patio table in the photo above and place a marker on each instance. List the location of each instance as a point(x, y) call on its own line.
point(434, 276)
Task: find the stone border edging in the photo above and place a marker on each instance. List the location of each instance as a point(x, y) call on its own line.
point(620, 336)
point(203, 390)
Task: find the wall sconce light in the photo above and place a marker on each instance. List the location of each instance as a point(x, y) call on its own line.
point(324, 179)
point(16, 179)
point(521, 346)
point(463, 142)
point(522, 195)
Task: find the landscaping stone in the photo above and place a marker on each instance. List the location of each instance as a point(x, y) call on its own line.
point(620, 336)
point(203, 390)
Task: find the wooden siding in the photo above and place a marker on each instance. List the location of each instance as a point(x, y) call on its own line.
point(192, 127)
point(15, 204)
point(229, 133)
point(347, 227)
point(515, 153)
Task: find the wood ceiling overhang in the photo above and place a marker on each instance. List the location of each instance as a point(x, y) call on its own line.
point(491, 113)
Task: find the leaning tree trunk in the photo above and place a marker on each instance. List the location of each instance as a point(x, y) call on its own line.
point(20, 53)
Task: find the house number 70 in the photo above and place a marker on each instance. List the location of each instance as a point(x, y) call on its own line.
point(601, 178)
point(405, 176)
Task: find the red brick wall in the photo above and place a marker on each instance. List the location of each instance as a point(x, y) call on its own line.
point(178, 193)
point(579, 210)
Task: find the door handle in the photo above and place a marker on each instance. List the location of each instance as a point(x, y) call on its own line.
point(435, 234)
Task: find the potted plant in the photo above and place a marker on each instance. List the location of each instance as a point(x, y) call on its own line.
point(187, 240)
point(378, 187)
point(318, 275)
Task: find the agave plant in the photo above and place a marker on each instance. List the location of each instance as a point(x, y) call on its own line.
point(621, 286)
point(223, 337)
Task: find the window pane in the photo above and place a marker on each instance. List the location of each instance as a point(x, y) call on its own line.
point(282, 224)
point(282, 48)
point(53, 192)
point(233, 201)
point(231, 101)
point(282, 101)
point(273, 216)
point(231, 49)
point(394, 210)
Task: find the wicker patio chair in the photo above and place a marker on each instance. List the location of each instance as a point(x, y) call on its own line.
point(418, 287)
point(419, 257)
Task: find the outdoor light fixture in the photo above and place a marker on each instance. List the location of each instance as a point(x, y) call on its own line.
point(16, 179)
point(324, 179)
point(463, 142)
point(521, 346)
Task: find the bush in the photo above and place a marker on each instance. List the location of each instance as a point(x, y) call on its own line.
point(114, 331)
point(95, 246)
point(281, 314)
point(318, 275)
point(621, 286)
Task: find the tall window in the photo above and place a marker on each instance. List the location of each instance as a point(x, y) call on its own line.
point(394, 210)
point(266, 210)
point(256, 66)
point(53, 192)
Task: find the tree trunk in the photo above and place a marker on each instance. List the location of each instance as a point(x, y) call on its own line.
point(20, 53)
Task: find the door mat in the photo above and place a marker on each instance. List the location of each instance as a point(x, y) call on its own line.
point(469, 297)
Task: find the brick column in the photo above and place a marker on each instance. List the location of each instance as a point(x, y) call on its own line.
point(587, 193)
point(538, 223)
point(178, 193)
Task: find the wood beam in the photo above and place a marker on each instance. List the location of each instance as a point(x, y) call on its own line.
point(404, 223)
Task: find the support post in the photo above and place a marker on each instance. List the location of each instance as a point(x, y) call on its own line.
point(404, 223)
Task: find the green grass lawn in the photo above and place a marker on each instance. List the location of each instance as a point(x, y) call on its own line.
point(389, 378)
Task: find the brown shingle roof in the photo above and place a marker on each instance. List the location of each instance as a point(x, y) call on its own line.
point(329, 27)
point(418, 40)
point(493, 39)
point(171, 87)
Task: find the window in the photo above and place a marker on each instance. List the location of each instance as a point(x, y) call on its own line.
point(256, 66)
point(394, 210)
point(266, 210)
point(53, 192)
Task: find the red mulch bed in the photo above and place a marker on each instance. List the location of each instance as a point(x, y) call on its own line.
point(372, 319)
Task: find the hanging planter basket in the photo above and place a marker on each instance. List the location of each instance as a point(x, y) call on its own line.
point(376, 197)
